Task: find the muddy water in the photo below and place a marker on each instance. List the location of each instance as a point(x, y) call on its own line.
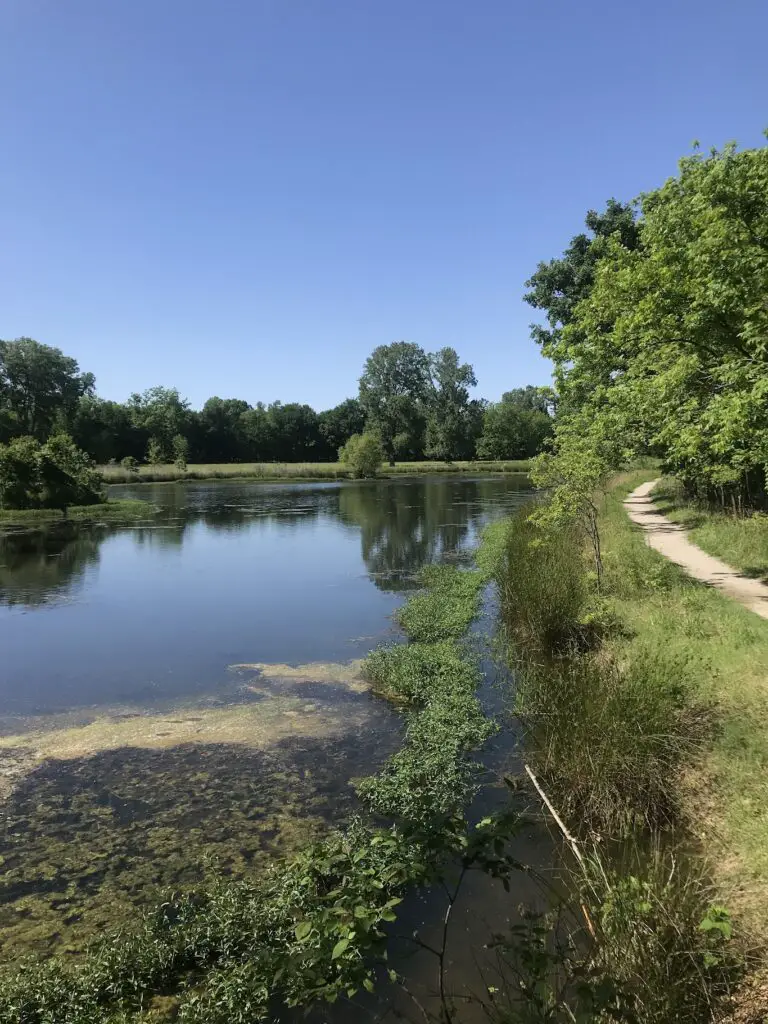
point(183, 697)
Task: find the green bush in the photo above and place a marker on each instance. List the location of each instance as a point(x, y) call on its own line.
point(130, 464)
point(156, 454)
point(363, 454)
point(51, 475)
point(180, 447)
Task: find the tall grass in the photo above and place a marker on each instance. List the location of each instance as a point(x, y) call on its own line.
point(642, 941)
point(542, 583)
point(612, 738)
point(294, 471)
point(611, 735)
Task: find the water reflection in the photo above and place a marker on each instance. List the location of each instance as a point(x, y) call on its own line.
point(403, 525)
point(223, 573)
point(38, 567)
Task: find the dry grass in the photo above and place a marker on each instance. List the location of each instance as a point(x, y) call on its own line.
point(294, 471)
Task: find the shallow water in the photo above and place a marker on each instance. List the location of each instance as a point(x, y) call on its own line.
point(181, 697)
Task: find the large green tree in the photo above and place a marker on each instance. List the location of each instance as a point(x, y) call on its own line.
point(560, 284)
point(40, 388)
point(517, 426)
point(337, 425)
point(449, 418)
point(394, 391)
point(160, 413)
point(668, 352)
point(219, 433)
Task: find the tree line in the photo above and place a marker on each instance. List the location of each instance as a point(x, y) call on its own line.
point(417, 404)
point(657, 326)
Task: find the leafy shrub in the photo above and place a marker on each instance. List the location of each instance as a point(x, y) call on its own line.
point(363, 454)
point(51, 475)
point(180, 447)
point(156, 454)
point(129, 464)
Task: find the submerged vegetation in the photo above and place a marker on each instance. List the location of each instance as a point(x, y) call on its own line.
point(312, 927)
point(122, 511)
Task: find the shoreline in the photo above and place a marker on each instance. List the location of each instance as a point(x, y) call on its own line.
point(303, 472)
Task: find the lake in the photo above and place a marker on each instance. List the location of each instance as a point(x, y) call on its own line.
point(182, 697)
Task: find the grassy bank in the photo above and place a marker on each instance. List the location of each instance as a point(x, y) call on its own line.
point(741, 541)
point(646, 713)
point(105, 512)
point(313, 927)
point(295, 471)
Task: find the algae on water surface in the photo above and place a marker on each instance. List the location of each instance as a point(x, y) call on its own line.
point(101, 817)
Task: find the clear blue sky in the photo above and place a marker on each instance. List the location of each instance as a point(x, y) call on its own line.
point(245, 197)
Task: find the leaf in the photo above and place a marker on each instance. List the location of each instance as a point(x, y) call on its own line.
point(302, 930)
point(339, 948)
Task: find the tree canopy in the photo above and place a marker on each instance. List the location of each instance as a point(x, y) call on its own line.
point(666, 350)
point(417, 404)
point(38, 385)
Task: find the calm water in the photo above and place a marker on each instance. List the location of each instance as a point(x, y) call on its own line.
point(227, 573)
point(154, 728)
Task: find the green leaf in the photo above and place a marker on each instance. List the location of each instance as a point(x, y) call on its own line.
point(302, 930)
point(339, 948)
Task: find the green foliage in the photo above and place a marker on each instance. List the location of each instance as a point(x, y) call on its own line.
point(451, 420)
point(363, 454)
point(51, 475)
point(129, 464)
point(558, 286)
point(639, 942)
point(394, 389)
point(337, 425)
point(665, 352)
point(39, 388)
point(447, 606)
point(159, 413)
point(516, 427)
point(156, 454)
point(180, 448)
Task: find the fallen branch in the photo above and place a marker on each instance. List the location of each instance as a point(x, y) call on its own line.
point(570, 839)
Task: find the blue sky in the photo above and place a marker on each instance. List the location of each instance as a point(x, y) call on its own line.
point(245, 197)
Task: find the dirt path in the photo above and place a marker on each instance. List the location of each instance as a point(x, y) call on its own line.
point(672, 541)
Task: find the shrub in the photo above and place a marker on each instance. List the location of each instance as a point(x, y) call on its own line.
point(180, 447)
point(363, 454)
point(51, 475)
point(129, 464)
point(156, 454)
